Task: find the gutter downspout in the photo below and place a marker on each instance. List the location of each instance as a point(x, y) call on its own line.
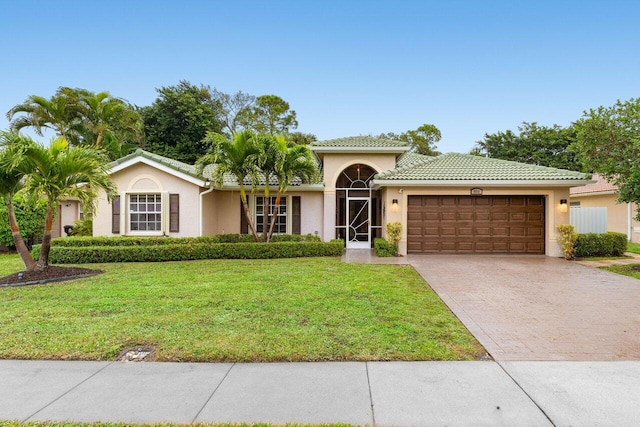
point(202, 208)
point(629, 224)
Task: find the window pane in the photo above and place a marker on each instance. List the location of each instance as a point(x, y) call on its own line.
point(145, 212)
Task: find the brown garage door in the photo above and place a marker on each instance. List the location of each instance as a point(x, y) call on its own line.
point(467, 224)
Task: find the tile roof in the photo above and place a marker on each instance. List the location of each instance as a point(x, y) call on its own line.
point(207, 173)
point(360, 142)
point(409, 159)
point(166, 161)
point(600, 186)
point(466, 167)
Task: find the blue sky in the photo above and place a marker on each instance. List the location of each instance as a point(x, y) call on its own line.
point(346, 67)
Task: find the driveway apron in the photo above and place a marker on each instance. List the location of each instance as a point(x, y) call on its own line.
point(538, 307)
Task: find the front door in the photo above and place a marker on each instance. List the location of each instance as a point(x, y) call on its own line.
point(358, 223)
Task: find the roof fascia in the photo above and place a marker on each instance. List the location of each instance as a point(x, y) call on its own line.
point(485, 183)
point(593, 193)
point(354, 150)
point(303, 187)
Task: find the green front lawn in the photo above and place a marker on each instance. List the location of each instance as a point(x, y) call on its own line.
point(233, 310)
point(632, 270)
point(633, 248)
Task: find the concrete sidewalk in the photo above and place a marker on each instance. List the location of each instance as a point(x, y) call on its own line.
point(371, 393)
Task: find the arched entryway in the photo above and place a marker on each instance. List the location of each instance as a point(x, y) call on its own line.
point(358, 207)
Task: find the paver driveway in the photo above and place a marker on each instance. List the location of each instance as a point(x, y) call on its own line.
point(538, 307)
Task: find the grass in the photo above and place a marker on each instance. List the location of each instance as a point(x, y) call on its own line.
point(632, 270)
point(309, 309)
point(633, 248)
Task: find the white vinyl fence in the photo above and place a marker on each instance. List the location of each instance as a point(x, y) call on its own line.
point(589, 220)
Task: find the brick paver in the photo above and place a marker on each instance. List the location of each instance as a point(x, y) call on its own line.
point(538, 307)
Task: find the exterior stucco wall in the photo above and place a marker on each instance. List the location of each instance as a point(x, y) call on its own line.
point(333, 165)
point(222, 211)
point(68, 213)
point(141, 178)
point(553, 214)
point(617, 213)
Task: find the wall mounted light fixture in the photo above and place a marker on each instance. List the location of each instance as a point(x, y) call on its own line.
point(563, 205)
point(394, 205)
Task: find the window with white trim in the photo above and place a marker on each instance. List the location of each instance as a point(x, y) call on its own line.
point(280, 226)
point(145, 212)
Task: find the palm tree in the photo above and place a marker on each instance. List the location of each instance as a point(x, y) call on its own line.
point(83, 118)
point(60, 171)
point(11, 181)
point(238, 157)
point(269, 157)
point(294, 161)
point(37, 112)
point(107, 121)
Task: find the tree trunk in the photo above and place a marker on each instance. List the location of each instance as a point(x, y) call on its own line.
point(245, 208)
point(21, 247)
point(265, 216)
point(274, 215)
point(45, 248)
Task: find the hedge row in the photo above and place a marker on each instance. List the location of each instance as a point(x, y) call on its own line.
point(194, 251)
point(85, 241)
point(605, 244)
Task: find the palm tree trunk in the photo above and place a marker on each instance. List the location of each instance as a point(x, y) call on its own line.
point(265, 217)
point(21, 247)
point(45, 248)
point(274, 215)
point(247, 214)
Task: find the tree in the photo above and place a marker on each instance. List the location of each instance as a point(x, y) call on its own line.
point(107, 122)
point(237, 156)
point(177, 122)
point(12, 175)
point(29, 215)
point(300, 138)
point(57, 172)
point(608, 142)
point(83, 118)
point(422, 140)
point(270, 114)
point(534, 144)
point(40, 113)
point(233, 107)
point(294, 161)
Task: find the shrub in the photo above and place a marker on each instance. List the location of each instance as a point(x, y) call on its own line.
point(78, 241)
point(83, 227)
point(30, 216)
point(605, 244)
point(394, 233)
point(389, 247)
point(191, 251)
point(383, 248)
point(567, 240)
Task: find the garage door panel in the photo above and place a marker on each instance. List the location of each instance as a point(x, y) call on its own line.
point(485, 224)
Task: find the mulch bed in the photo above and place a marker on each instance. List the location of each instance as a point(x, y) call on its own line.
point(50, 274)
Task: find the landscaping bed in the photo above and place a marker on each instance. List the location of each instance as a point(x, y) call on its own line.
point(50, 274)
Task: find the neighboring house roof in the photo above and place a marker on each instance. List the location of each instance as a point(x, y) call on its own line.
point(360, 144)
point(601, 186)
point(456, 168)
